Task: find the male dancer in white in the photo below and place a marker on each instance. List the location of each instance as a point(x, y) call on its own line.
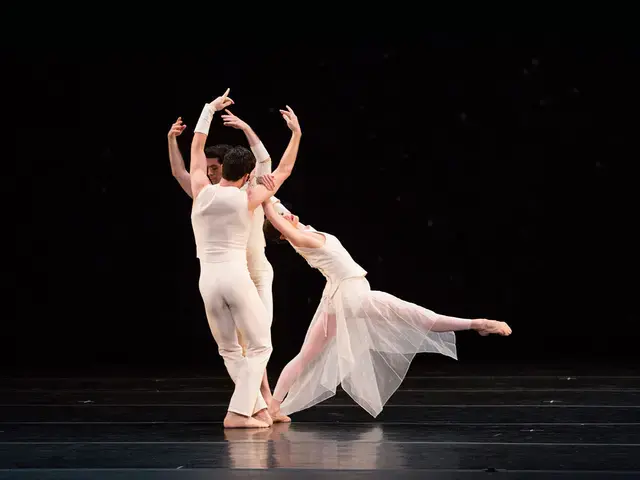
point(260, 269)
point(362, 339)
point(221, 219)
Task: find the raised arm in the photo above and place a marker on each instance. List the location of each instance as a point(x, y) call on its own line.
point(263, 159)
point(291, 233)
point(175, 157)
point(259, 193)
point(198, 167)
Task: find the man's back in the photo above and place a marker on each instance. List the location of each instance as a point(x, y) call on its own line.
point(221, 221)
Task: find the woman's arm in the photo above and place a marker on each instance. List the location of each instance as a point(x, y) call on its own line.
point(291, 233)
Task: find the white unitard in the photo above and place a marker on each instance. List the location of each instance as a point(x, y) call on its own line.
point(221, 222)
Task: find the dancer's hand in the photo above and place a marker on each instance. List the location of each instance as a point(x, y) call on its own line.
point(267, 180)
point(291, 119)
point(222, 102)
point(230, 120)
point(176, 129)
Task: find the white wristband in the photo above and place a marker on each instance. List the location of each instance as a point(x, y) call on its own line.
point(278, 207)
point(204, 122)
point(260, 152)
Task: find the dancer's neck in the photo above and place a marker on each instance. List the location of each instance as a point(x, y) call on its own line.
point(230, 183)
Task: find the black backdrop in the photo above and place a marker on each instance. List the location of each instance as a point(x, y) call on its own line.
point(476, 175)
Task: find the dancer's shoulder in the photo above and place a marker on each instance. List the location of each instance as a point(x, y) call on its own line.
point(308, 239)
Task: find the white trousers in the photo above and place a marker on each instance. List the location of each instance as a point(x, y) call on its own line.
point(232, 304)
point(261, 273)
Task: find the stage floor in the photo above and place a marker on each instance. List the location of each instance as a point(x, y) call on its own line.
point(481, 423)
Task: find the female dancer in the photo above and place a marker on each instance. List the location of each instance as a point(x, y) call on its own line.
point(362, 339)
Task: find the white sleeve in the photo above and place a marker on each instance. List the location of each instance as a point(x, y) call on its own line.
point(260, 152)
point(263, 159)
point(278, 207)
point(204, 122)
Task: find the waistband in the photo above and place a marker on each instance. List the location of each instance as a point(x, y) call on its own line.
point(332, 286)
point(223, 257)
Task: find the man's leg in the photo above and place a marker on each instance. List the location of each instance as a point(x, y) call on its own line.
point(261, 273)
point(223, 330)
point(265, 389)
point(251, 319)
point(215, 285)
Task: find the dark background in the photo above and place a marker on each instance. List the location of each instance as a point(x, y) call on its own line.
point(477, 175)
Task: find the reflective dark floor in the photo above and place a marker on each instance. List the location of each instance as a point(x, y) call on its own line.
point(438, 426)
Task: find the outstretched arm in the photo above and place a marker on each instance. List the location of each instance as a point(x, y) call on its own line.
point(175, 157)
point(259, 193)
point(198, 170)
point(295, 236)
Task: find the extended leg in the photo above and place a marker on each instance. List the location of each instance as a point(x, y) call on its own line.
point(432, 321)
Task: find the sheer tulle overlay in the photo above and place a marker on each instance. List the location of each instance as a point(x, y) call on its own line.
point(364, 340)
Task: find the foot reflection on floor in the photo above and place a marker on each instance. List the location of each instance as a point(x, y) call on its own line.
point(294, 445)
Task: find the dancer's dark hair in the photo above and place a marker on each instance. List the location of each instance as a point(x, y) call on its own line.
point(238, 161)
point(217, 151)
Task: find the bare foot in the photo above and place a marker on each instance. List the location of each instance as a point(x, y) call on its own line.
point(274, 411)
point(487, 327)
point(281, 418)
point(233, 420)
point(263, 416)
